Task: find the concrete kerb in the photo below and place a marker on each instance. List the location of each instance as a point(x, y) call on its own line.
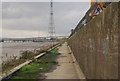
point(5, 75)
point(76, 66)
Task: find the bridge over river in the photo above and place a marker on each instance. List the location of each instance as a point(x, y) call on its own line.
point(22, 39)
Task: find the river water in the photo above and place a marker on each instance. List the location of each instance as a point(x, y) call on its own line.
point(10, 49)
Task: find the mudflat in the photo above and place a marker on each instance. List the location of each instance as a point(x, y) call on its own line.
point(10, 49)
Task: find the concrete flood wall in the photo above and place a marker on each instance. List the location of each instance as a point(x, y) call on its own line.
point(95, 45)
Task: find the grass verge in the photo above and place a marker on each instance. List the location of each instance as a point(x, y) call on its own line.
point(38, 66)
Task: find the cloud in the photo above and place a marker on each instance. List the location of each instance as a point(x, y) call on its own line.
point(34, 24)
point(22, 33)
point(35, 16)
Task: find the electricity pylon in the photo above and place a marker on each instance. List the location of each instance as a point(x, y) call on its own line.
point(51, 28)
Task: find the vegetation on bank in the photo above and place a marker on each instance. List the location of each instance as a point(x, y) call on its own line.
point(41, 65)
point(26, 55)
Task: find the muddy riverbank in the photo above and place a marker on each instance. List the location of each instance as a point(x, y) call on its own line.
point(8, 50)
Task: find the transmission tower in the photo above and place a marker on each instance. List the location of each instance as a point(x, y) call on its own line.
point(51, 29)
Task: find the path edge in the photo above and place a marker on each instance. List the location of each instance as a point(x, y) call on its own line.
point(76, 65)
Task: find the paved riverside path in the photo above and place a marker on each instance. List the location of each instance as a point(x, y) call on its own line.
point(65, 68)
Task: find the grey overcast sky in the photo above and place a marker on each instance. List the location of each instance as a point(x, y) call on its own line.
point(31, 19)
